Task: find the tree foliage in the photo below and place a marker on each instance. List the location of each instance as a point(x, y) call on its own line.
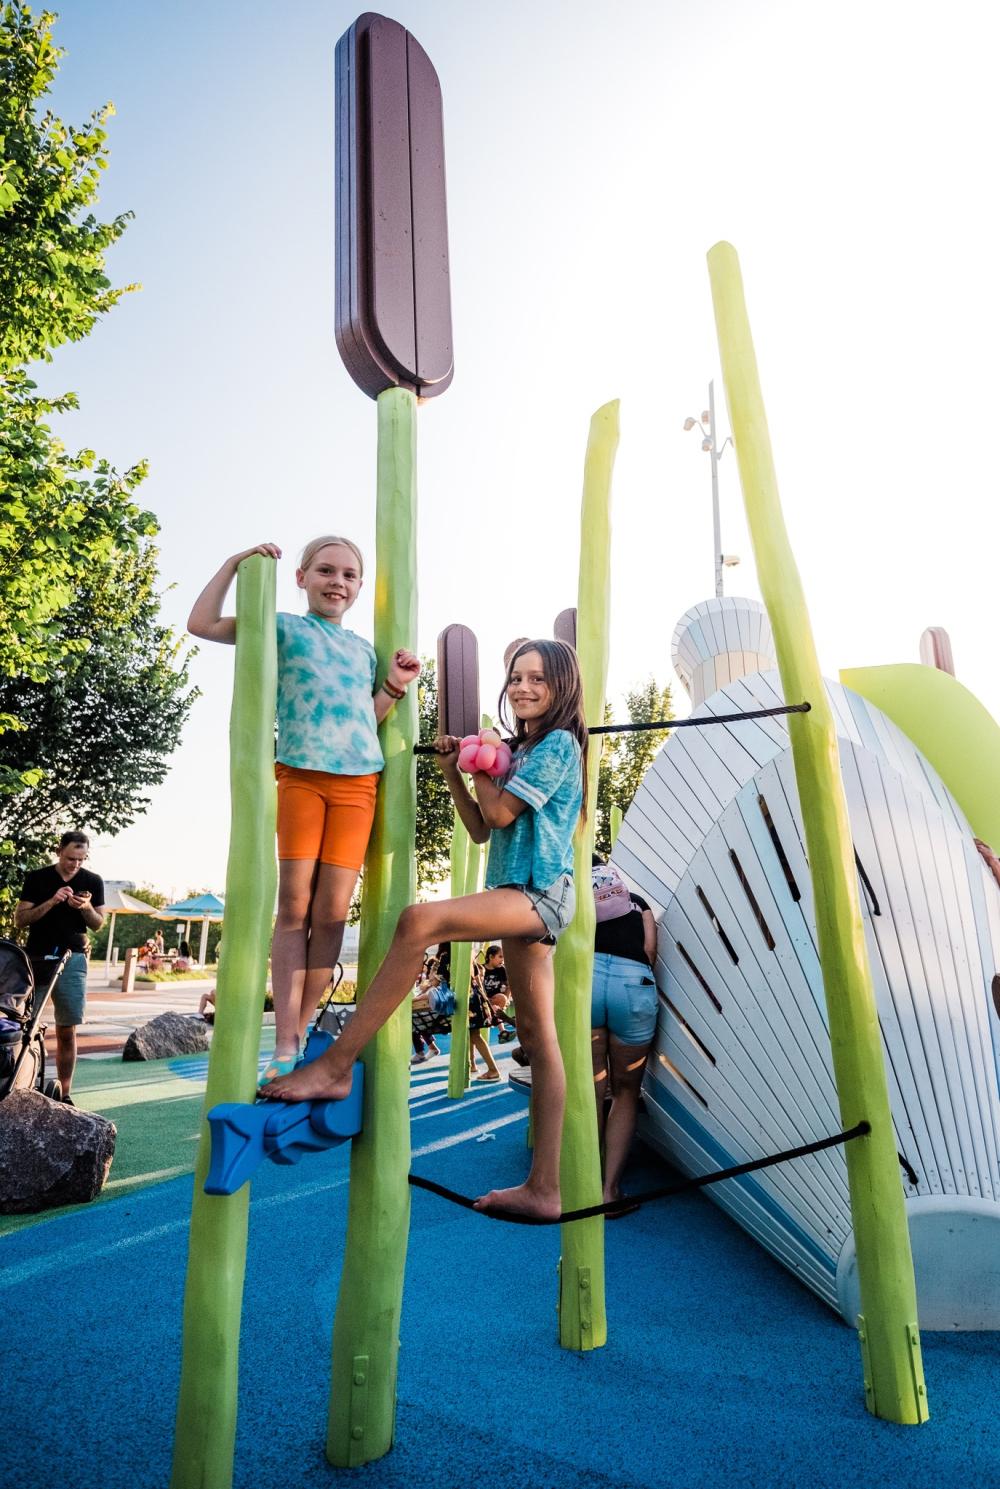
point(625, 758)
point(97, 735)
point(60, 513)
point(52, 281)
point(76, 564)
point(435, 808)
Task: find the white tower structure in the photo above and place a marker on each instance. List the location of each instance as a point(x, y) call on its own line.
point(719, 641)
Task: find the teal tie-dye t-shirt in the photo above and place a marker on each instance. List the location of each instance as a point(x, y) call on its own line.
point(326, 714)
point(538, 845)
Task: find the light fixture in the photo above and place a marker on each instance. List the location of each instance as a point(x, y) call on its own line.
point(688, 424)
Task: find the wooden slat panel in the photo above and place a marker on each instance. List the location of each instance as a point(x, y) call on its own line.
point(431, 272)
point(391, 220)
point(738, 1200)
point(458, 681)
point(788, 1114)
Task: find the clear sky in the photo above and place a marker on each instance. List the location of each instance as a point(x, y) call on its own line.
point(594, 155)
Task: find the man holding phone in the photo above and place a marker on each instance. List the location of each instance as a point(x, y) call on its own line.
point(58, 905)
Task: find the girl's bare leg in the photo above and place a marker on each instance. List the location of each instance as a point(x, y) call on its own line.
point(331, 900)
point(289, 951)
point(476, 917)
point(628, 1061)
point(532, 978)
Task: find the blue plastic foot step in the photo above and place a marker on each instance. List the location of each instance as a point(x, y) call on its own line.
point(243, 1135)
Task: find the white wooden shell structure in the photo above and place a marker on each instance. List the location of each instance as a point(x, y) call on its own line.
point(720, 640)
point(741, 1066)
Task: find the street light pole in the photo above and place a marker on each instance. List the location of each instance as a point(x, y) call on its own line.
point(707, 426)
point(716, 519)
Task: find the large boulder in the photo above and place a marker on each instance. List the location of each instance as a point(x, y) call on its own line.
point(168, 1034)
point(53, 1154)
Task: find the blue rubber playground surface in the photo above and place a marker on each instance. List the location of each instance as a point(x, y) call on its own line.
point(719, 1370)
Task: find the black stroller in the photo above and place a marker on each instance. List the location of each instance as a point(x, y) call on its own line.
point(22, 1033)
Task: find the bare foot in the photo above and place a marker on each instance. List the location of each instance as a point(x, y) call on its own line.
point(312, 1082)
point(524, 1200)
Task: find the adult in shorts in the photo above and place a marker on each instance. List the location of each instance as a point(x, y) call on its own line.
point(623, 1023)
point(59, 904)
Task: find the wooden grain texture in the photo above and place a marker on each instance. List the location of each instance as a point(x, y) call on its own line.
point(362, 1410)
point(213, 1295)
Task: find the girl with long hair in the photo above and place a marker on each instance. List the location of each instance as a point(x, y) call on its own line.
point(529, 817)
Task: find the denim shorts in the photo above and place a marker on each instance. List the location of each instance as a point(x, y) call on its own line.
point(623, 999)
point(69, 997)
point(555, 907)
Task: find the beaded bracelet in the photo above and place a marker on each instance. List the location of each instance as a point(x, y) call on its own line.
point(394, 693)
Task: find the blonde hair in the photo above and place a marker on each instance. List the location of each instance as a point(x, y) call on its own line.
point(310, 551)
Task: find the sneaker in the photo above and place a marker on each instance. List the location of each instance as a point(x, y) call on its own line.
point(419, 1059)
point(505, 1036)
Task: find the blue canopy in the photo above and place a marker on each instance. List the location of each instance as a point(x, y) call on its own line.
point(199, 907)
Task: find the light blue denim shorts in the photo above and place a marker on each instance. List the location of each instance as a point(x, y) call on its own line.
point(623, 999)
point(555, 906)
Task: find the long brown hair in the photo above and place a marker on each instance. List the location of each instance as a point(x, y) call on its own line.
point(562, 673)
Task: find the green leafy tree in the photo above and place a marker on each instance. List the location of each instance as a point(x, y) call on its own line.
point(72, 536)
point(96, 736)
point(60, 513)
point(627, 757)
point(52, 281)
point(435, 808)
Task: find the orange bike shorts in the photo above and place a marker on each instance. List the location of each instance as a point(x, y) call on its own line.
point(324, 817)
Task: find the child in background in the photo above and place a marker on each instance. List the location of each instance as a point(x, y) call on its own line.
point(529, 818)
point(328, 764)
point(480, 1023)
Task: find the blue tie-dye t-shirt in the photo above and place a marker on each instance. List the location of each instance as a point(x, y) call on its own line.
point(538, 845)
point(326, 714)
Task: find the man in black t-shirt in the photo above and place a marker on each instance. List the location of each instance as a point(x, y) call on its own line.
point(58, 905)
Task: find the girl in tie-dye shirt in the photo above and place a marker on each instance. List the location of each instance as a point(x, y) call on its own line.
point(328, 761)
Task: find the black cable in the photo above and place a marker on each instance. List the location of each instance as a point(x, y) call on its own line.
point(719, 718)
point(634, 1201)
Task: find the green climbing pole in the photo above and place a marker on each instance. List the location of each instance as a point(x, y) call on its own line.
point(890, 1341)
point(213, 1295)
point(366, 1330)
point(616, 824)
point(467, 859)
point(582, 1317)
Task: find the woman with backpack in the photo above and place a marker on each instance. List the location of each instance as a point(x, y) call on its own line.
point(623, 1014)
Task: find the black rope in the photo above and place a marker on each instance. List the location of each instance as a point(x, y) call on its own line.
point(634, 1201)
point(908, 1170)
point(719, 718)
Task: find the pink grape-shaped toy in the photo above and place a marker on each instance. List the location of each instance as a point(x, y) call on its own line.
point(484, 751)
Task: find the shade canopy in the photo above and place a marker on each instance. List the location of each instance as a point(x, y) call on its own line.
point(198, 907)
point(118, 901)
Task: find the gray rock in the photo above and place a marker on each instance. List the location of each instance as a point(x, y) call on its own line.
point(168, 1034)
point(52, 1154)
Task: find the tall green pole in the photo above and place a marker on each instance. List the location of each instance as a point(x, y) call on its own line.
point(468, 860)
point(616, 823)
point(462, 850)
point(213, 1295)
point(582, 1317)
point(890, 1341)
point(366, 1329)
